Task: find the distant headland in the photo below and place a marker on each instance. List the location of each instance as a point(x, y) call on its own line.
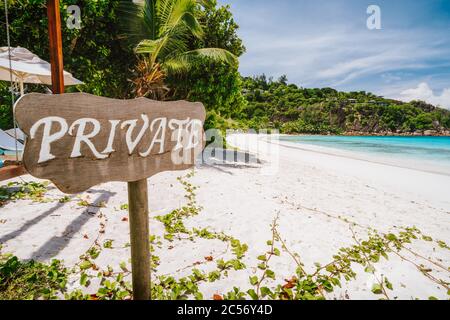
point(276, 104)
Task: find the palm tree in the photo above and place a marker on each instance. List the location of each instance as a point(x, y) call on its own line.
point(162, 30)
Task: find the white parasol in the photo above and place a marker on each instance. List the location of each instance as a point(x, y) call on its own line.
point(26, 67)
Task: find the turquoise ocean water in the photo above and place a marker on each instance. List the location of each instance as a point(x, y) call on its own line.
point(417, 149)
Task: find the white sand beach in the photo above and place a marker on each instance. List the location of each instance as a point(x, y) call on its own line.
point(314, 194)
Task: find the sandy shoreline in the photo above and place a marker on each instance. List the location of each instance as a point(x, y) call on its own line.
point(405, 163)
point(311, 192)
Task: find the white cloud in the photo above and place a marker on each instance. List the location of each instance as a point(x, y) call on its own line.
point(333, 58)
point(425, 93)
point(329, 45)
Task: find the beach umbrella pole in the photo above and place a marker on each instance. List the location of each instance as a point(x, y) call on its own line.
point(55, 41)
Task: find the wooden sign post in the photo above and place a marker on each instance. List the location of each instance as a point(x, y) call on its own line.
point(79, 140)
point(139, 239)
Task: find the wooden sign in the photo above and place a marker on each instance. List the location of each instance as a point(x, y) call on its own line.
point(79, 140)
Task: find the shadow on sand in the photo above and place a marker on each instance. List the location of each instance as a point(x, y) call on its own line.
point(56, 244)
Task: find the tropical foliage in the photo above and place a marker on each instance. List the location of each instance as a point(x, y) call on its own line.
point(218, 85)
point(95, 53)
point(292, 109)
point(163, 30)
point(6, 117)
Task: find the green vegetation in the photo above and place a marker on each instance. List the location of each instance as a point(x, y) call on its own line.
point(26, 280)
point(93, 53)
point(27, 190)
point(325, 279)
point(35, 280)
point(277, 104)
point(163, 31)
point(218, 85)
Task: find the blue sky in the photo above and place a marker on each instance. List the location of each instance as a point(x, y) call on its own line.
point(327, 44)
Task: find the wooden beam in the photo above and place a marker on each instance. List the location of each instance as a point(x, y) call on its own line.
point(139, 236)
point(12, 171)
point(55, 38)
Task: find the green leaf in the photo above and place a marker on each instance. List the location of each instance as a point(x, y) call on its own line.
point(252, 294)
point(388, 284)
point(336, 282)
point(331, 268)
point(108, 244)
point(376, 288)
point(123, 266)
point(254, 280)
point(213, 276)
point(198, 296)
point(84, 279)
point(94, 253)
point(265, 292)
point(391, 237)
point(85, 265)
point(262, 258)
point(168, 236)
point(270, 274)
point(370, 269)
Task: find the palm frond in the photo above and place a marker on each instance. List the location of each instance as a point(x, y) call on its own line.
point(151, 46)
point(173, 47)
point(151, 18)
point(213, 54)
point(135, 22)
point(184, 62)
point(206, 3)
point(177, 66)
point(174, 13)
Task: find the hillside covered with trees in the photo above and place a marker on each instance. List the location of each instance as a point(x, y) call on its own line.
point(292, 109)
